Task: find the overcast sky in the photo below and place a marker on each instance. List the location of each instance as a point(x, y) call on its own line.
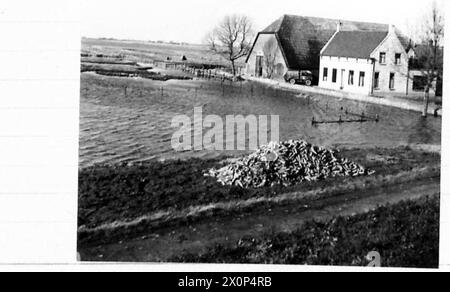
point(190, 20)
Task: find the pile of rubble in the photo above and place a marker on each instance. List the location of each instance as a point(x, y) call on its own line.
point(286, 163)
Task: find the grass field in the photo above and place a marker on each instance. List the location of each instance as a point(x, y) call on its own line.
point(405, 235)
point(126, 192)
point(128, 201)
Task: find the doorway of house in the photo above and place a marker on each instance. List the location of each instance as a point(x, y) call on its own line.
point(376, 82)
point(259, 66)
point(342, 78)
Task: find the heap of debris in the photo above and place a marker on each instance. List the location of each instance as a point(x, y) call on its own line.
point(286, 163)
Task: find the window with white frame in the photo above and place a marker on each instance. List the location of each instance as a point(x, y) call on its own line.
point(325, 74)
point(398, 59)
point(351, 77)
point(392, 81)
point(362, 77)
point(382, 58)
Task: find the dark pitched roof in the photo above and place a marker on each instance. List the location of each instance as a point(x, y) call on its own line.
point(354, 44)
point(302, 38)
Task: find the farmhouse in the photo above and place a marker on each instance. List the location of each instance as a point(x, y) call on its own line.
point(295, 42)
point(367, 62)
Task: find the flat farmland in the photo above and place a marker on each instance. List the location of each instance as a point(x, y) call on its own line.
point(146, 51)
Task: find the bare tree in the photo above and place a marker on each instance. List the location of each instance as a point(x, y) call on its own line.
point(232, 38)
point(429, 52)
point(270, 51)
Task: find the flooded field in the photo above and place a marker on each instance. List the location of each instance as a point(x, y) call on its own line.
point(129, 120)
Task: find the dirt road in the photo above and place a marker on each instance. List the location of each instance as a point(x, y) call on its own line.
point(197, 237)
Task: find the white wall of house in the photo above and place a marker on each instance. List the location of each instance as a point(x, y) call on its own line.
point(391, 67)
point(258, 51)
point(343, 67)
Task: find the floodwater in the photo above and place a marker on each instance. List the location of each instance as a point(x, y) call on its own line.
point(126, 120)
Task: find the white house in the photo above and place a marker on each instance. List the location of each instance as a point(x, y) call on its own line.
point(366, 62)
point(294, 43)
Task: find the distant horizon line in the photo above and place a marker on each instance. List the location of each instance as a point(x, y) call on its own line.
point(143, 40)
point(199, 43)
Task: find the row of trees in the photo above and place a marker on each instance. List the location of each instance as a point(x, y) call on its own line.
point(233, 38)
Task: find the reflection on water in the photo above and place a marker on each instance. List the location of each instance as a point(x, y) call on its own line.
point(115, 127)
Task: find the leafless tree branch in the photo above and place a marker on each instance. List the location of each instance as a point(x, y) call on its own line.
point(232, 38)
point(429, 52)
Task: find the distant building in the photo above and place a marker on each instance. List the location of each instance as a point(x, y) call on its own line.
point(366, 62)
point(418, 67)
point(295, 42)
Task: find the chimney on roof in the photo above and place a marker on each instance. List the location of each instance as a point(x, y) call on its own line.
point(392, 28)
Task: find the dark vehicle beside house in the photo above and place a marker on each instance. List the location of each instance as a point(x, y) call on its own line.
point(299, 77)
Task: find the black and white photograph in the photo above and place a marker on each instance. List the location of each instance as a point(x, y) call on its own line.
point(261, 132)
